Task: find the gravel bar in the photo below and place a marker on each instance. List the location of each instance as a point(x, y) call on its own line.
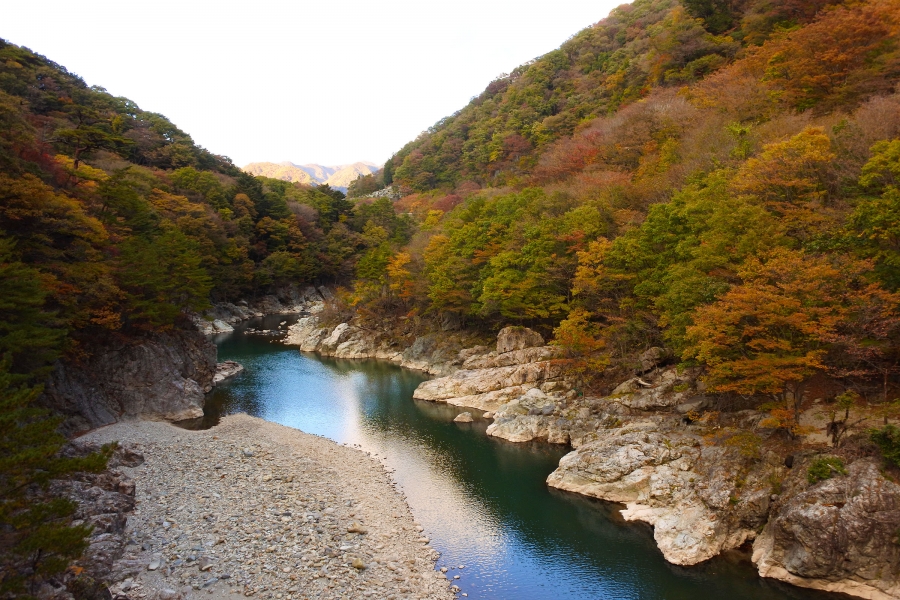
point(251, 508)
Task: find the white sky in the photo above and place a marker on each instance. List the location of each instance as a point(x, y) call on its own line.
point(273, 80)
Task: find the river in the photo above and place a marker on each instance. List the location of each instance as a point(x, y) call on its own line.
point(482, 501)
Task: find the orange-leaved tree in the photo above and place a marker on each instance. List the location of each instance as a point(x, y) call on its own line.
point(400, 279)
point(583, 346)
point(771, 332)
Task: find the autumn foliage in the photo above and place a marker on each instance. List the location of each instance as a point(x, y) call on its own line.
point(717, 177)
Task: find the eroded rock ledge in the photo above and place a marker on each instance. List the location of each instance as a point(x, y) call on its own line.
point(436, 353)
point(223, 316)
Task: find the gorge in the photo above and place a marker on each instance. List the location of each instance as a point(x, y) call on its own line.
point(627, 324)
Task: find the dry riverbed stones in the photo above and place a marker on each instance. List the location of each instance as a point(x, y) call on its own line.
point(254, 509)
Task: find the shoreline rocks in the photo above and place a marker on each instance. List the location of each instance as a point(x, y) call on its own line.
point(223, 316)
point(639, 446)
point(839, 535)
point(432, 353)
point(103, 501)
point(288, 515)
point(671, 481)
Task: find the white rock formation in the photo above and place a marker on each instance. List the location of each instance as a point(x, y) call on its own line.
point(653, 473)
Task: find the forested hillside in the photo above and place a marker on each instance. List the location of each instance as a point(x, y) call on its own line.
point(112, 219)
point(640, 47)
point(716, 177)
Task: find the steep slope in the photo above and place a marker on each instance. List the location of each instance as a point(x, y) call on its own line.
point(648, 44)
point(112, 221)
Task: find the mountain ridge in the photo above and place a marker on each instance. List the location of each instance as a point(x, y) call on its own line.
point(337, 176)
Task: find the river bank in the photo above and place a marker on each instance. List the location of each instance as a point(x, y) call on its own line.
point(252, 508)
point(659, 444)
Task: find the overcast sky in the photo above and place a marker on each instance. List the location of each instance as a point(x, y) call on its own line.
point(271, 80)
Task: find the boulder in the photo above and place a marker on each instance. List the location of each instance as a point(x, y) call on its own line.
point(694, 404)
point(652, 358)
point(517, 338)
point(658, 392)
point(306, 333)
point(226, 370)
point(221, 326)
point(838, 535)
point(463, 417)
point(530, 417)
point(208, 326)
point(520, 428)
point(336, 336)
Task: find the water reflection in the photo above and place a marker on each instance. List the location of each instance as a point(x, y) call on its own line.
point(482, 501)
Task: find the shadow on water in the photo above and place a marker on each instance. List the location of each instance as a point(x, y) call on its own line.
point(483, 501)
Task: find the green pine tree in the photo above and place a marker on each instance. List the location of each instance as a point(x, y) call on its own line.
point(37, 538)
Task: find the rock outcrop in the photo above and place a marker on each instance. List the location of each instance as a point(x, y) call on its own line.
point(436, 354)
point(487, 381)
point(520, 384)
point(669, 479)
point(103, 502)
point(532, 416)
point(162, 375)
point(839, 535)
point(487, 388)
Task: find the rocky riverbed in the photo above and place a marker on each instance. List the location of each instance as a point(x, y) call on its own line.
point(255, 509)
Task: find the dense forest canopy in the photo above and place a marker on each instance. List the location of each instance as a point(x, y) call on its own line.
point(682, 174)
point(640, 47)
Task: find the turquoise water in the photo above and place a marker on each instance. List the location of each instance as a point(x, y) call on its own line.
point(482, 501)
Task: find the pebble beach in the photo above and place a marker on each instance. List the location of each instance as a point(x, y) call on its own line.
point(251, 508)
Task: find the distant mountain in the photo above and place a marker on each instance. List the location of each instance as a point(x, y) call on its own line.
point(338, 177)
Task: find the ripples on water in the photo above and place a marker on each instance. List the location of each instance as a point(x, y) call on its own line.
point(482, 501)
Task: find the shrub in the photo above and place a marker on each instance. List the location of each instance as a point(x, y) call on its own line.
point(825, 468)
point(747, 443)
point(888, 441)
